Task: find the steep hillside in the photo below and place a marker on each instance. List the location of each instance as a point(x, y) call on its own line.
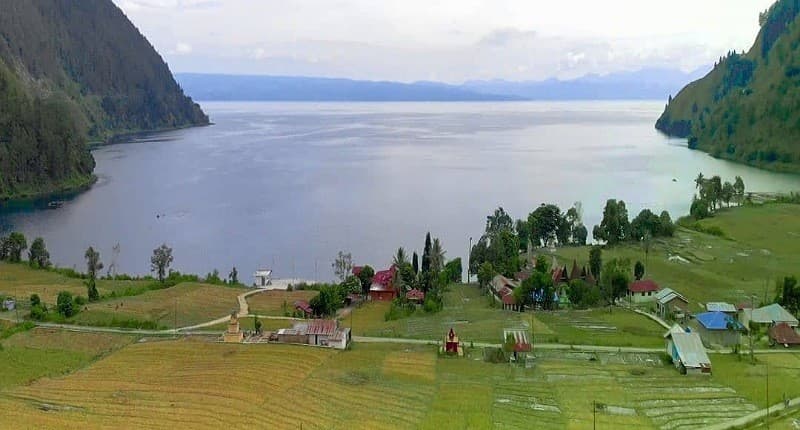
point(72, 71)
point(747, 108)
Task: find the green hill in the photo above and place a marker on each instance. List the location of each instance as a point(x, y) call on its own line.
point(747, 108)
point(73, 72)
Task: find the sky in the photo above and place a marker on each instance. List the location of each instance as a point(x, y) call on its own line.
point(443, 40)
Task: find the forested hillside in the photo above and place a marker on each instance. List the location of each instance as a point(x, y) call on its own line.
point(72, 72)
point(747, 108)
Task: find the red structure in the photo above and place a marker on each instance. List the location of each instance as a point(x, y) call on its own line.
point(415, 295)
point(304, 307)
point(451, 345)
point(783, 334)
point(382, 287)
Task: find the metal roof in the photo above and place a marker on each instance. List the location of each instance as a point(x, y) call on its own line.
point(322, 327)
point(720, 307)
point(667, 295)
point(718, 321)
point(690, 349)
point(773, 313)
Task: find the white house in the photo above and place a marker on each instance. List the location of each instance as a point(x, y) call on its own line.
point(263, 278)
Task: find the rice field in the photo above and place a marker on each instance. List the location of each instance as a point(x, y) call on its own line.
point(198, 384)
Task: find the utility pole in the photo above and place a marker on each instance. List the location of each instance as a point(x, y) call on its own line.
point(750, 329)
point(176, 316)
point(594, 414)
point(766, 364)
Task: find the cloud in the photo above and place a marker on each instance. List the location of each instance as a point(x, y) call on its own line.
point(507, 36)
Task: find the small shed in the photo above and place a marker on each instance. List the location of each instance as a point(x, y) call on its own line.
point(671, 303)
point(303, 307)
point(520, 343)
point(319, 331)
point(293, 335)
point(783, 334)
point(451, 344)
point(687, 352)
point(9, 304)
point(263, 278)
point(642, 291)
point(719, 328)
point(510, 302)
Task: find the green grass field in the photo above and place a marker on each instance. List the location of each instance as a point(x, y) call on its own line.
point(272, 302)
point(373, 386)
point(467, 310)
point(761, 245)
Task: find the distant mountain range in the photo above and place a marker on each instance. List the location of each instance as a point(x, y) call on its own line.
point(645, 84)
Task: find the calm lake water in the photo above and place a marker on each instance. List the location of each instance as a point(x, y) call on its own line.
point(287, 185)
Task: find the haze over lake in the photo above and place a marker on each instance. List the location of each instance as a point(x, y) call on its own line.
point(287, 185)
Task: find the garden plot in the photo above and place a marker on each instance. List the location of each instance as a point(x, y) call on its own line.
point(619, 327)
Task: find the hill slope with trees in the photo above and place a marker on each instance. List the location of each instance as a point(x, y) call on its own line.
point(747, 108)
point(73, 72)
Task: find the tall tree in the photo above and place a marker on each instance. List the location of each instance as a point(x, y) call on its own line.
point(161, 260)
point(698, 182)
point(728, 193)
point(400, 258)
point(38, 255)
point(233, 277)
point(437, 256)
point(738, 187)
point(365, 276)
point(426, 254)
point(595, 261)
point(16, 244)
point(342, 265)
point(485, 274)
point(498, 221)
point(614, 280)
point(638, 270)
point(614, 228)
point(93, 265)
point(415, 262)
point(65, 304)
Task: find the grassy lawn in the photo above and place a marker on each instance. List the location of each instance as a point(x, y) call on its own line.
point(619, 327)
point(761, 245)
point(21, 281)
point(38, 353)
point(272, 302)
point(751, 379)
point(194, 303)
point(466, 310)
point(193, 385)
point(469, 313)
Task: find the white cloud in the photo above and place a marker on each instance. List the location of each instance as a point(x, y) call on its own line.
point(454, 40)
point(183, 48)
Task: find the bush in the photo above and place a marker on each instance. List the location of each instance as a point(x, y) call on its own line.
point(399, 309)
point(38, 312)
point(65, 304)
point(80, 301)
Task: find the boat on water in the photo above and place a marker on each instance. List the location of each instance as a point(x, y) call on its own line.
point(55, 204)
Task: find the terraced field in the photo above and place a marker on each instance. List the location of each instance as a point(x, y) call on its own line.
point(373, 386)
point(620, 327)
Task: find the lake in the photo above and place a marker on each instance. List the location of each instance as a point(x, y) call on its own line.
point(287, 185)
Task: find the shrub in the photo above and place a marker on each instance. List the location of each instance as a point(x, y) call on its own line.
point(65, 304)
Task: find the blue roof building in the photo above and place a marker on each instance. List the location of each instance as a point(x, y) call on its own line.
point(718, 328)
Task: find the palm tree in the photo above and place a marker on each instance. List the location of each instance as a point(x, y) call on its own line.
point(437, 256)
point(698, 182)
point(400, 259)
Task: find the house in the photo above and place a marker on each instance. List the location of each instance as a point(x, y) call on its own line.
point(320, 331)
point(510, 302)
point(292, 335)
point(768, 316)
point(671, 303)
point(783, 334)
point(415, 295)
point(719, 328)
point(382, 287)
point(687, 352)
point(642, 291)
point(303, 307)
point(723, 307)
point(9, 304)
point(500, 281)
point(263, 278)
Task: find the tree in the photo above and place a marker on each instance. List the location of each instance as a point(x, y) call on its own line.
point(351, 285)
point(365, 277)
point(453, 270)
point(638, 270)
point(738, 188)
point(614, 280)
point(699, 208)
point(728, 193)
point(38, 255)
point(595, 261)
point(35, 300)
point(547, 224)
point(579, 235)
point(614, 228)
point(698, 182)
point(257, 325)
point(400, 258)
point(426, 254)
point(537, 288)
point(415, 262)
point(161, 260)
point(498, 221)
point(38, 309)
point(342, 265)
point(582, 295)
point(16, 244)
point(436, 256)
point(485, 274)
point(4, 248)
point(64, 304)
point(789, 294)
point(666, 224)
point(233, 277)
point(93, 265)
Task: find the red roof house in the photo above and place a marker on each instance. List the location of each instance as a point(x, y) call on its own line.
point(303, 306)
point(784, 334)
point(382, 287)
point(642, 291)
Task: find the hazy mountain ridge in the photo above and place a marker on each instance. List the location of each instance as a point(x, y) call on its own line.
point(747, 108)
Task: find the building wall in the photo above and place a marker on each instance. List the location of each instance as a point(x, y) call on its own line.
point(638, 298)
point(382, 295)
point(718, 337)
